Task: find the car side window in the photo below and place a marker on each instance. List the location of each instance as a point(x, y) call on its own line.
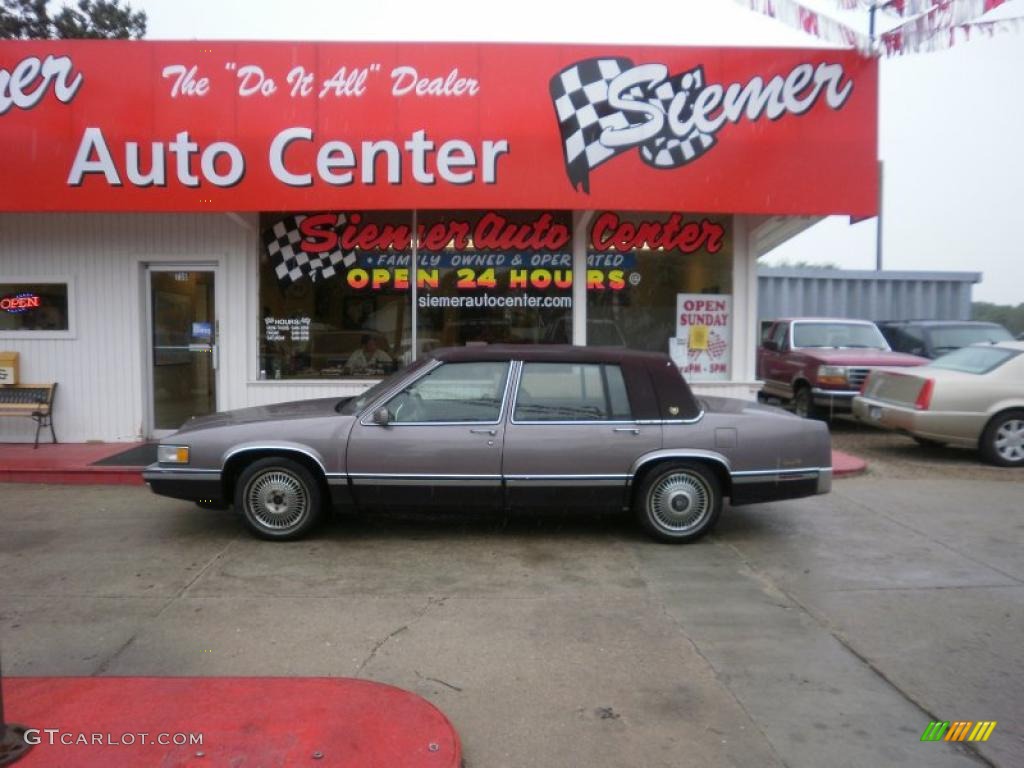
point(780, 336)
point(571, 392)
point(453, 392)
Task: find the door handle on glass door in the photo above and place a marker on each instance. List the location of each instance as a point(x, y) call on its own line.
point(632, 430)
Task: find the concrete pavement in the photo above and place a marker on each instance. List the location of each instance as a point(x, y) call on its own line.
point(824, 632)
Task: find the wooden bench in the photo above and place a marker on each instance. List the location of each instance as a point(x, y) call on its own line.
point(32, 400)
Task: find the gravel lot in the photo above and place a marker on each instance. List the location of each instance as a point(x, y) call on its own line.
point(891, 455)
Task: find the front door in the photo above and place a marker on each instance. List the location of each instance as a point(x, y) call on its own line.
point(183, 346)
point(441, 445)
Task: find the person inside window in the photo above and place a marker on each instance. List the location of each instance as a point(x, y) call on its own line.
point(369, 359)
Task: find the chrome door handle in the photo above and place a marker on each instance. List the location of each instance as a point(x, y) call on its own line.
point(633, 430)
point(491, 432)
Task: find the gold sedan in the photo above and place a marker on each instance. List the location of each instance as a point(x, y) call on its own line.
point(973, 398)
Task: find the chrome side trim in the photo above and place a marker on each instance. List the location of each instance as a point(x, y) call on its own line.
point(419, 476)
point(286, 448)
point(694, 420)
point(179, 473)
point(373, 478)
point(825, 480)
point(670, 453)
point(819, 392)
point(778, 476)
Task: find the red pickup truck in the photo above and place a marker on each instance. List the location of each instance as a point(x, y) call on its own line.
point(818, 363)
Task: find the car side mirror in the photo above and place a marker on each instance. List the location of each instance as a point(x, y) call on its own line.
point(770, 345)
point(381, 417)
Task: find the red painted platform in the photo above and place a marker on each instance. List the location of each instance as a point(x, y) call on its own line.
point(65, 463)
point(846, 464)
point(244, 722)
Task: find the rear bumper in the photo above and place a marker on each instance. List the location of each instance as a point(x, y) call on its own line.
point(755, 487)
point(184, 483)
point(960, 429)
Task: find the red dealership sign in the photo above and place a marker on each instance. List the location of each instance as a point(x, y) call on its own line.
point(175, 126)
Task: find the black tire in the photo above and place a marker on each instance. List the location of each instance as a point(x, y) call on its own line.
point(926, 442)
point(1001, 442)
point(803, 403)
point(279, 498)
point(678, 503)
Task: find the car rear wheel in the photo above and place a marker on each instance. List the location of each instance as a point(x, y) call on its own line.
point(279, 498)
point(678, 503)
point(1002, 442)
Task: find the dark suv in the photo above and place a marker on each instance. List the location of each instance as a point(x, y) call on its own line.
point(934, 338)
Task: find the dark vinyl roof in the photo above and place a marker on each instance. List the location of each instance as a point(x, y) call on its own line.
point(549, 353)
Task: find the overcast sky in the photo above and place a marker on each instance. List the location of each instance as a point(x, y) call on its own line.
point(950, 122)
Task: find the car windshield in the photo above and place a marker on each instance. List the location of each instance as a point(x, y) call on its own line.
point(850, 335)
point(953, 337)
point(356, 404)
point(976, 360)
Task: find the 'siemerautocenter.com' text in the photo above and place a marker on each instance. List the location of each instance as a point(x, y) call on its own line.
point(54, 736)
point(487, 300)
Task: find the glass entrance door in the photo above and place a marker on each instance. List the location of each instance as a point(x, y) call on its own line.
point(183, 339)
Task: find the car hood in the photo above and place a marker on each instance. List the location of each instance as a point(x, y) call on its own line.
point(297, 409)
point(864, 357)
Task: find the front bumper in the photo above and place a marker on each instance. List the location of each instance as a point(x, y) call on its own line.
point(185, 483)
point(834, 399)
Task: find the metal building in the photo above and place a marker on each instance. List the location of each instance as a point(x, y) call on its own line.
point(865, 294)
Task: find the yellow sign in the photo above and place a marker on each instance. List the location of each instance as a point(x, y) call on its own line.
point(698, 337)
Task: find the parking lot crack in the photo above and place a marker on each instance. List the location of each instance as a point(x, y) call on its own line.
point(107, 663)
point(420, 613)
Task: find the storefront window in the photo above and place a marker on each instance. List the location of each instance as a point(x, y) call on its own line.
point(334, 294)
point(662, 282)
point(32, 306)
point(336, 288)
point(499, 277)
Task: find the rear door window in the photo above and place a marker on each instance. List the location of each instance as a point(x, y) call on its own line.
point(571, 392)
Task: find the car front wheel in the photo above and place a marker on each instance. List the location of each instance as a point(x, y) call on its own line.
point(1002, 442)
point(803, 403)
point(678, 503)
point(279, 498)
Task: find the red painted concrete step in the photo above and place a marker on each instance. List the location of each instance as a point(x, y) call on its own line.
point(65, 463)
point(244, 722)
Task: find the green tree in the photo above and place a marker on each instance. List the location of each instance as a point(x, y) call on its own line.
point(1006, 315)
point(98, 19)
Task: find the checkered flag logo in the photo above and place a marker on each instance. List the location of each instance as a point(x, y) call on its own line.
point(580, 95)
point(283, 242)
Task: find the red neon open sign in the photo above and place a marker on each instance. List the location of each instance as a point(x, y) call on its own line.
point(20, 303)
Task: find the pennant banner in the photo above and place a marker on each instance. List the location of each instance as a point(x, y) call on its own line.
point(929, 25)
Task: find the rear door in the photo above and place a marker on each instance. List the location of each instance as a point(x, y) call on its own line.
point(571, 438)
point(442, 446)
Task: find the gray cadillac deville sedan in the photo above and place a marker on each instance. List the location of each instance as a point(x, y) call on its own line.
point(501, 428)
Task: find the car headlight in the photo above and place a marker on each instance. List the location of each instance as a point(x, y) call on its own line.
point(833, 375)
point(172, 454)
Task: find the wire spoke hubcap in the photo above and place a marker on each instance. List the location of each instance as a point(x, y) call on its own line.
point(277, 499)
point(680, 502)
point(1010, 440)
